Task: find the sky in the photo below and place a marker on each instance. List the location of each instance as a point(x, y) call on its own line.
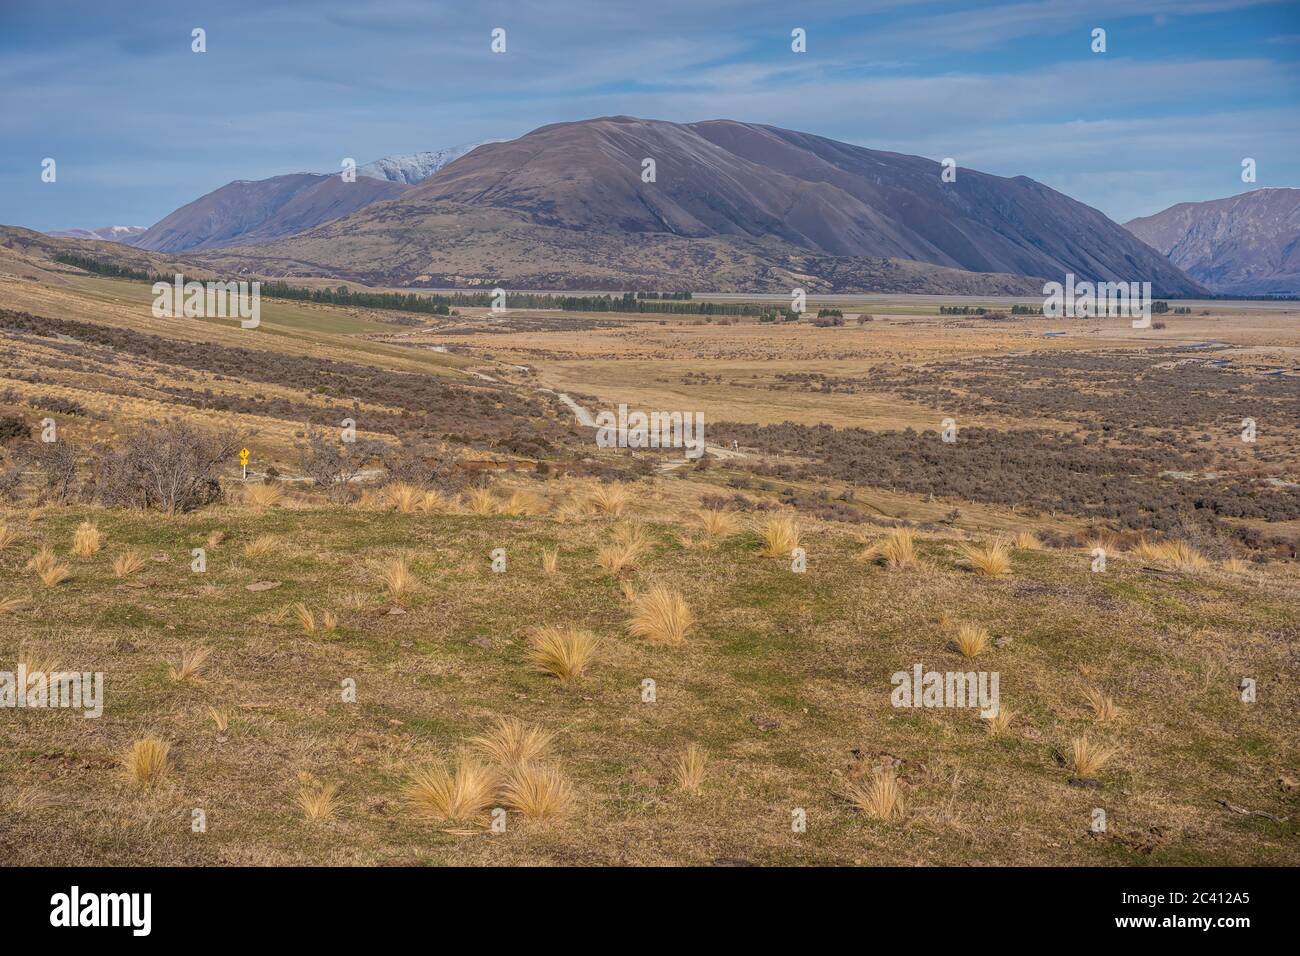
point(138, 124)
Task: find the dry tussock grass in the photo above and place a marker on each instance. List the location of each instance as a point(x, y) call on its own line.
point(480, 501)
point(8, 537)
point(537, 792)
point(191, 666)
point(306, 619)
point(988, 559)
point(397, 577)
point(1087, 757)
point(690, 767)
point(611, 499)
point(261, 546)
point(880, 797)
point(87, 540)
point(512, 742)
point(717, 524)
point(146, 761)
point(436, 793)
point(550, 561)
point(563, 652)
point(971, 640)
point(1028, 541)
point(127, 563)
point(896, 550)
point(661, 616)
point(999, 723)
point(780, 537)
point(403, 497)
point(263, 494)
point(317, 801)
point(1180, 554)
point(1103, 707)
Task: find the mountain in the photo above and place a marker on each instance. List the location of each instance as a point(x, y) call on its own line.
point(753, 206)
point(106, 233)
point(1243, 245)
point(413, 168)
point(252, 210)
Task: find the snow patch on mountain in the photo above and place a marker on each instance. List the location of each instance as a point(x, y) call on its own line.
point(416, 167)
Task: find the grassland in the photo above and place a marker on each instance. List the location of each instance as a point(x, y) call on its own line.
point(783, 684)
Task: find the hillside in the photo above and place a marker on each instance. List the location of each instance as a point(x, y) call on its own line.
point(246, 211)
point(1242, 245)
point(734, 206)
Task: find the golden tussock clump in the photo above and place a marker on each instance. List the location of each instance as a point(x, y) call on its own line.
point(87, 540)
point(403, 497)
point(261, 546)
point(880, 797)
point(306, 619)
point(480, 501)
point(971, 640)
point(690, 767)
point(512, 742)
point(127, 563)
point(988, 559)
point(263, 494)
point(621, 556)
point(660, 616)
point(563, 652)
point(717, 524)
point(435, 793)
point(221, 717)
point(215, 538)
point(522, 504)
point(1180, 554)
point(8, 537)
point(10, 604)
point(43, 664)
point(610, 499)
point(435, 502)
point(317, 800)
point(896, 550)
point(550, 561)
point(191, 666)
point(1086, 757)
point(537, 792)
point(397, 577)
point(1103, 707)
point(999, 723)
point(1028, 541)
point(48, 568)
point(329, 622)
point(780, 537)
point(145, 762)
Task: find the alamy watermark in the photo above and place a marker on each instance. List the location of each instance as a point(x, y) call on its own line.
point(1079, 300)
point(200, 300)
point(922, 688)
point(626, 429)
point(72, 690)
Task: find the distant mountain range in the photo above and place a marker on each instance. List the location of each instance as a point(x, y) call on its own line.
point(105, 233)
point(620, 202)
point(1243, 245)
point(731, 205)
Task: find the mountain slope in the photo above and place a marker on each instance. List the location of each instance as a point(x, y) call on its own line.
point(250, 210)
point(1242, 245)
point(723, 178)
point(753, 206)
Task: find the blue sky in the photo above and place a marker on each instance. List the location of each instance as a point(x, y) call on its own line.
point(140, 125)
